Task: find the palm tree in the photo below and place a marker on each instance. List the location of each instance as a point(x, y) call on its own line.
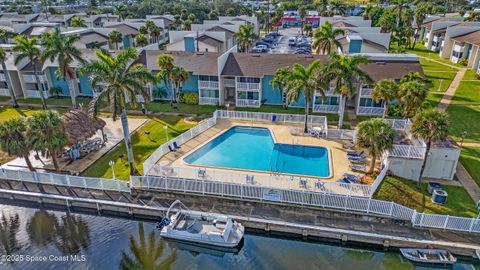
point(280, 80)
point(121, 11)
point(192, 17)
point(421, 11)
point(13, 140)
point(62, 48)
point(377, 136)
point(245, 37)
point(308, 29)
point(430, 125)
point(346, 73)
point(141, 40)
point(411, 76)
point(212, 15)
point(178, 76)
point(302, 12)
point(325, 38)
point(40, 227)
point(399, 5)
point(143, 30)
point(187, 25)
point(413, 94)
point(147, 253)
point(115, 37)
point(166, 65)
point(367, 12)
point(338, 8)
point(177, 21)
point(303, 80)
point(120, 79)
point(385, 90)
point(46, 131)
point(27, 48)
point(78, 22)
point(3, 58)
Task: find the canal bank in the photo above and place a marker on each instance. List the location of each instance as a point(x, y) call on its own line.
point(302, 222)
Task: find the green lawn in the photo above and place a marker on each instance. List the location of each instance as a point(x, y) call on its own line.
point(422, 51)
point(465, 118)
point(54, 101)
point(467, 93)
point(470, 159)
point(7, 112)
point(439, 81)
point(428, 65)
point(470, 75)
point(143, 146)
point(404, 192)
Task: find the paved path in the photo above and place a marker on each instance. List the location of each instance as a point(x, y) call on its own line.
point(447, 97)
point(468, 183)
point(471, 144)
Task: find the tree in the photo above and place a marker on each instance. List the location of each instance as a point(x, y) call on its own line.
point(302, 12)
point(212, 15)
point(280, 80)
point(46, 131)
point(192, 17)
point(120, 80)
point(421, 11)
point(155, 32)
point(13, 140)
point(231, 12)
point(143, 30)
point(399, 5)
point(430, 125)
point(166, 65)
point(62, 48)
point(385, 90)
point(325, 38)
point(27, 48)
point(245, 37)
point(93, 4)
point(121, 11)
point(386, 21)
point(346, 72)
point(367, 12)
point(412, 94)
point(187, 25)
point(377, 136)
point(3, 58)
point(411, 76)
point(338, 8)
point(147, 253)
point(308, 29)
point(178, 76)
point(141, 40)
point(115, 37)
point(184, 14)
point(78, 22)
point(472, 17)
point(177, 21)
point(303, 80)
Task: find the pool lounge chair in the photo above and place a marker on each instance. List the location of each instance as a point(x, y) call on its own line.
point(303, 183)
point(171, 149)
point(201, 173)
point(176, 145)
point(249, 179)
point(356, 154)
point(348, 145)
point(359, 167)
point(343, 180)
point(354, 159)
point(351, 177)
point(319, 185)
point(274, 118)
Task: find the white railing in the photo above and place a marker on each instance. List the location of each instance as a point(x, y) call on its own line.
point(399, 124)
point(229, 82)
point(379, 180)
point(341, 134)
point(35, 93)
point(4, 92)
point(314, 120)
point(248, 86)
point(207, 85)
point(326, 108)
point(366, 92)
point(28, 78)
point(65, 180)
point(2, 77)
point(446, 222)
point(407, 151)
point(247, 103)
point(208, 101)
point(370, 110)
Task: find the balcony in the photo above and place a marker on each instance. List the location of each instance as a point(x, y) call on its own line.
point(248, 103)
point(30, 78)
point(370, 110)
point(326, 108)
point(208, 101)
point(366, 92)
point(4, 92)
point(330, 93)
point(229, 82)
point(248, 86)
point(407, 151)
point(207, 85)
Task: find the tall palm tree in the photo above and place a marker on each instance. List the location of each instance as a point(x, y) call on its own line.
point(121, 11)
point(411, 76)
point(187, 25)
point(399, 6)
point(143, 30)
point(177, 21)
point(115, 37)
point(337, 7)
point(385, 90)
point(412, 94)
point(155, 32)
point(120, 80)
point(46, 131)
point(346, 73)
point(27, 48)
point(430, 125)
point(280, 80)
point(302, 12)
point(303, 80)
point(245, 37)
point(166, 65)
point(377, 136)
point(421, 11)
point(3, 58)
point(325, 38)
point(178, 76)
point(308, 29)
point(147, 253)
point(367, 12)
point(141, 40)
point(78, 22)
point(62, 48)
point(14, 141)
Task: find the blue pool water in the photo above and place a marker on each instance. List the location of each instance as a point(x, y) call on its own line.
point(253, 148)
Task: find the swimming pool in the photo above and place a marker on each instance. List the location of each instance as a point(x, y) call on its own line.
point(253, 148)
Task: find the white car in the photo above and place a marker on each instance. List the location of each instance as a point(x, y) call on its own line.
point(292, 41)
point(260, 49)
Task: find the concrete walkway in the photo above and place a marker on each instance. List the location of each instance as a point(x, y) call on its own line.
point(468, 183)
point(447, 97)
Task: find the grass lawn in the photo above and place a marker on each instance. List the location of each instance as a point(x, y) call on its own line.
point(470, 75)
point(405, 192)
point(470, 159)
point(54, 101)
point(428, 65)
point(7, 112)
point(422, 51)
point(143, 146)
point(439, 81)
point(465, 118)
point(159, 107)
point(467, 93)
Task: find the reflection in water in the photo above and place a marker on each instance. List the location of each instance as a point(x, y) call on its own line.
point(72, 234)
point(147, 255)
point(41, 227)
point(9, 227)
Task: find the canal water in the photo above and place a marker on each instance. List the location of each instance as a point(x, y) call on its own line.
point(40, 239)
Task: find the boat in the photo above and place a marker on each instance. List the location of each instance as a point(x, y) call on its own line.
point(205, 229)
point(431, 256)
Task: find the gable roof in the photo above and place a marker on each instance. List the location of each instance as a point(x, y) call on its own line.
point(472, 38)
point(210, 40)
point(219, 28)
point(204, 63)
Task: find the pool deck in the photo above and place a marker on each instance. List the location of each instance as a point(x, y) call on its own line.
point(282, 134)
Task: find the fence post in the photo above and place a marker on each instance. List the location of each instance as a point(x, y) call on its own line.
point(391, 208)
point(471, 225)
point(368, 205)
point(67, 177)
point(414, 217)
point(446, 222)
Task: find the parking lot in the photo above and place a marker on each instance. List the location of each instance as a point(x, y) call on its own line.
point(281, 45)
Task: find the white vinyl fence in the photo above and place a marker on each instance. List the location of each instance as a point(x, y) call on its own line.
point(379, 180)
point(65, 180)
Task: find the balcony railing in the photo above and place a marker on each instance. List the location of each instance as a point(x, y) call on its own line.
point(35, 93)
point(370, 110)
point(4, 92)
point(207, 85)
point(229, 82)
point(208, 101)
point(28, 78)
point(407, 151)
point(326, 108)
point(248, 103)
point(329, 93)
point(248, 86)
point(366, 92)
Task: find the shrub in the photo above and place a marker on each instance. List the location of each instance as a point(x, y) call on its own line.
point(463, 62)
point(189, 98)
point(395, 110)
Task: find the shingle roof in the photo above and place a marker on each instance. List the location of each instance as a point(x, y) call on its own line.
point(35, 31)
point(472, 38)
point(204, 63)
point(210, 40)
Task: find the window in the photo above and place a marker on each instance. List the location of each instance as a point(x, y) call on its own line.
point(457, 54)
point(208, 78)
point(327, 101)
point(248, 95)
point(368, 102)
point(209, 93)
point(249, 80)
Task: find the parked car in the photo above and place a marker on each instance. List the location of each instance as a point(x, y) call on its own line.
point(274, 34)
point(292, 41)
point(259, 49)
point(304, 44)
point(263, 43)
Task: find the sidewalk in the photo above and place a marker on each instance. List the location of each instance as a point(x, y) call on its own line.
point(447, 97)
point(468, 183)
